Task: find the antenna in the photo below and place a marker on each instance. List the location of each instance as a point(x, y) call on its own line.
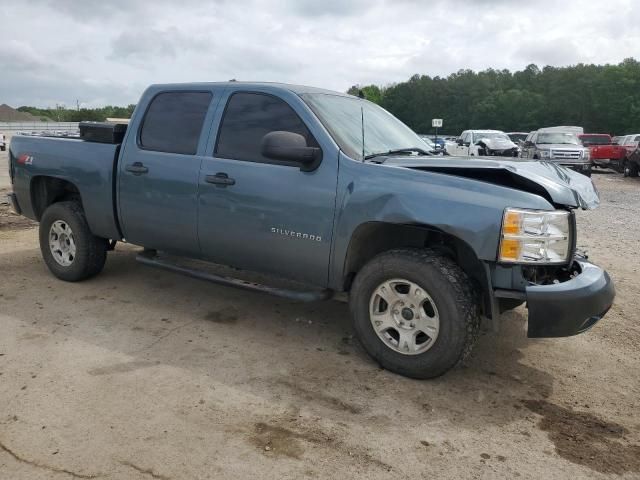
point(362, 118)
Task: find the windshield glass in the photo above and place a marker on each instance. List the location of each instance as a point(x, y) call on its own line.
point(496, 135)
point(595, 139)
point(342, 117)
point(558, 138)
point(517, 137)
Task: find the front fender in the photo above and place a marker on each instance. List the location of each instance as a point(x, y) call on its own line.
point(467, 209)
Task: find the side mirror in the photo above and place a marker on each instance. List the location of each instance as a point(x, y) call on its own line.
point(292, 147)
point(459, 142)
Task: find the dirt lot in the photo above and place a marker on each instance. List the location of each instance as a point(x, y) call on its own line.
point(142, 374)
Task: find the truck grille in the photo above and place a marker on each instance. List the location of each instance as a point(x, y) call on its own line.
point(566, 154)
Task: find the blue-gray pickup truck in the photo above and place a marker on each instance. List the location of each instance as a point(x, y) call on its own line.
point(328, 190)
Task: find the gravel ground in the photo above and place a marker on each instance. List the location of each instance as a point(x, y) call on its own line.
point(141, 374)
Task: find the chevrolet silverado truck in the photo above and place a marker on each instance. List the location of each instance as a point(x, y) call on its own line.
point(327, 190)
point(603, 152)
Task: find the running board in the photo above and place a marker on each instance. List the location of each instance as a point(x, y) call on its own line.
point(151, 259)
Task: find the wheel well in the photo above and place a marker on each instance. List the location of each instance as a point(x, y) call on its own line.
point(373, 238)
point(46, 191)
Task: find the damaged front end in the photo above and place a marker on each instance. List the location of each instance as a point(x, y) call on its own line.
point(569, 300)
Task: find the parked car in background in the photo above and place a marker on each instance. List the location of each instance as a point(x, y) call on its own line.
point(561, 147)
point(3, 142)
point(604, 153)
point(632, 166)
point(517, 137)
point(480, 143)
point(439, 141)
point(630, 145)
point(617, 140)
point(433, 148)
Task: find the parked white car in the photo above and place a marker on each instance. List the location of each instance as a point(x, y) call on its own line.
point(478, 143)
point(3, 142)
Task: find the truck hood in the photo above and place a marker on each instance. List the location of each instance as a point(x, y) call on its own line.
point(497, 143)
point(559, 185)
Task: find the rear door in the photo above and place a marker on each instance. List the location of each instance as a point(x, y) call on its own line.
point(262, 214)
point(159, 169)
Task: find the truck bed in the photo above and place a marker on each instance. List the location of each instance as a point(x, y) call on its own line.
point(88, 166)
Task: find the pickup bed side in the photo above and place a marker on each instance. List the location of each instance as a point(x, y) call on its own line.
point(61, 168)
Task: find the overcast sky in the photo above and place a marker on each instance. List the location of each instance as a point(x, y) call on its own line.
point(105, 52)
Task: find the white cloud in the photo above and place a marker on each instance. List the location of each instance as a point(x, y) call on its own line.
point(107, 52)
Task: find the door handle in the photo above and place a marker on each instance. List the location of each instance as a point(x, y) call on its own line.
point(137, 168)
point(220, 179)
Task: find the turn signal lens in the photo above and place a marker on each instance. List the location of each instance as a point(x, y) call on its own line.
point(534, 236)
point(509, 250)
point(511, 222)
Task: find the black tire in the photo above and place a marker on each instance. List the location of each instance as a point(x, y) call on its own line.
point(631, 169)
point(452, 293)
point(91, 251)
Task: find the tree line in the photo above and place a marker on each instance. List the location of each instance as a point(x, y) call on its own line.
point(600, 98)
point(62, 114)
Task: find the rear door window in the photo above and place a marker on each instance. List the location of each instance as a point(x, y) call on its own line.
point(173, 122)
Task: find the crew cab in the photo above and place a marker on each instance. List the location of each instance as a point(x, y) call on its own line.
point(329, 191)
point(483, 143)
point(602, 150)
point(559, 146)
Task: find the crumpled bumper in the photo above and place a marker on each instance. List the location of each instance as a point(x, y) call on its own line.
point(571, 307)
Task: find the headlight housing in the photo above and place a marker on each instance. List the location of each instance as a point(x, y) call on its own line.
point(545, 153)
point(535, 236)
point(586, 155)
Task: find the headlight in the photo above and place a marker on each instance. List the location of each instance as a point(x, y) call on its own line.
point(586, 155)
point(545, 153)
point(532, 236)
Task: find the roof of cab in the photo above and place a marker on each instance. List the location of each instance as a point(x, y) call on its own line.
point(298, 89)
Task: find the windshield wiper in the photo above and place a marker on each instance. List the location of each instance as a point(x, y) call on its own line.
point(397, 151)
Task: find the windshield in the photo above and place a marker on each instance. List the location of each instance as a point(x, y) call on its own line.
point(342, 116)
point(517, 137)
point(595, 139)
point(558, 138)
point(496, 135)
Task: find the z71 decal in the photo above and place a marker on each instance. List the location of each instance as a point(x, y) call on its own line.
point(25, 159)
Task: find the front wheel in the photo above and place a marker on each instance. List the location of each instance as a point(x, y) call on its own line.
point(68, 247)
point(415, 312)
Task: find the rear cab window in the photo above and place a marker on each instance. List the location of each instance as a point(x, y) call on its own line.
point(173, 122)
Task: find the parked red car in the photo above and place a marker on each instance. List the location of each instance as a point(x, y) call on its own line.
point(604, 153)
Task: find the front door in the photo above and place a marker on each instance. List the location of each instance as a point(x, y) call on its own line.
point(158, 173)
point(261, 214)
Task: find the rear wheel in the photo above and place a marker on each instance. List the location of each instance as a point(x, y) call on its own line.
point(68, 247)
point(415, 312)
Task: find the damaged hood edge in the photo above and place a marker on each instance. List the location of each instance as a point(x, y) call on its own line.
point(563, 186)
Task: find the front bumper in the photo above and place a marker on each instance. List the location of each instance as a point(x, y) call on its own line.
point(571, 307)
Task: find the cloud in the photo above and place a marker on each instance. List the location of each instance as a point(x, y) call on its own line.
point(107, 51)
